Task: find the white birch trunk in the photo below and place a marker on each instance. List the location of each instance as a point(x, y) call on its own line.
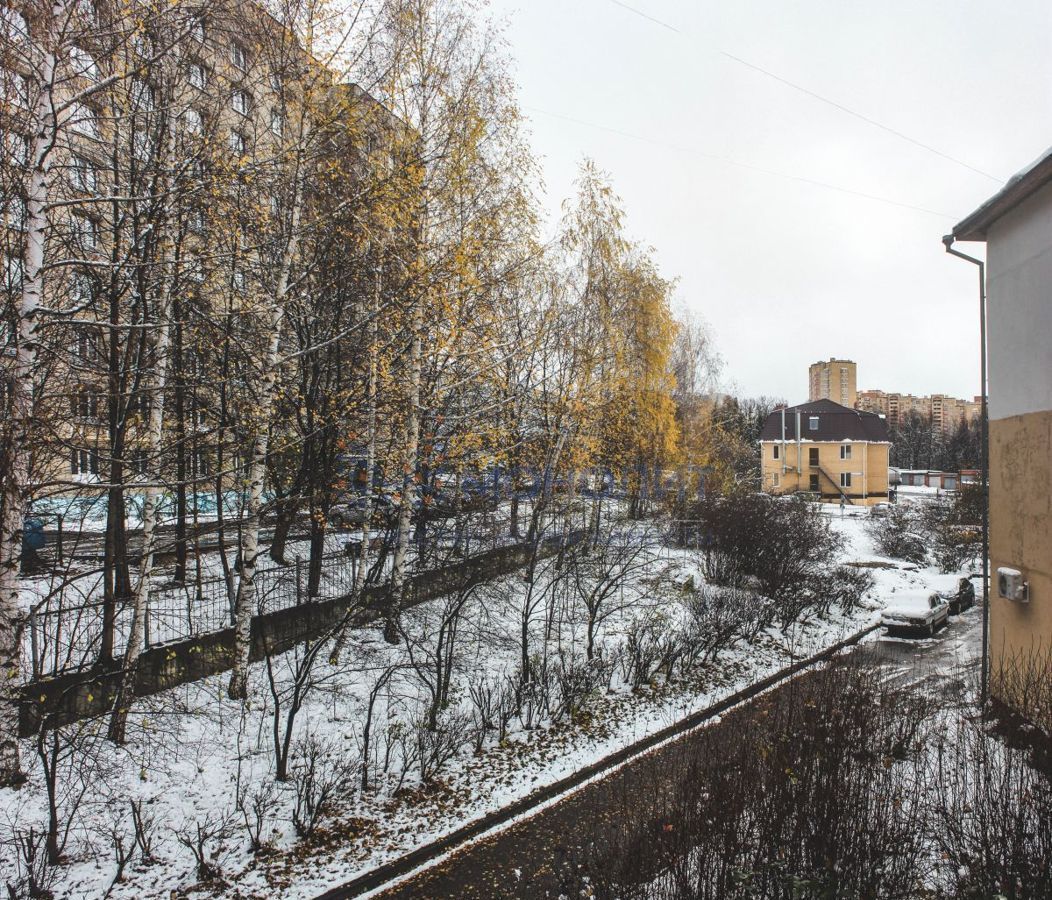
point(246, 604)
point(411, 438)
point(16, 458)
point(154, 441)
point(370, 467)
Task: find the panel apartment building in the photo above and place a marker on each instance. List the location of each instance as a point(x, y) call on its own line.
point(835, 380)
point(171, 162)
point(945, 412)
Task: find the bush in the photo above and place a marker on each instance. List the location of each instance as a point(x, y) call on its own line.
point(901, 533)
point(719, 616)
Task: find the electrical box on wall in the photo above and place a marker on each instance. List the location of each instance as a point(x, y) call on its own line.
point(1011, 586)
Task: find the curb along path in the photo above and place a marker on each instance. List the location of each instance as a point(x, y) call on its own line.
point(392, 872)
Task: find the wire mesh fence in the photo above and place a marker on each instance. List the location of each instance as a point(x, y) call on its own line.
point(67, 623)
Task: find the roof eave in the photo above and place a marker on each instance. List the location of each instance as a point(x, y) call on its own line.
point(975, 226)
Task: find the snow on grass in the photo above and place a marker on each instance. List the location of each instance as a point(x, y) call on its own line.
point(192, 752)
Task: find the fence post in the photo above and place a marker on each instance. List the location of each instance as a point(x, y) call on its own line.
point(33, 642)
point(145, 621)
point(299, 588)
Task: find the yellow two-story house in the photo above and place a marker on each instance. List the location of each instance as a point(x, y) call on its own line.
point(832, 451)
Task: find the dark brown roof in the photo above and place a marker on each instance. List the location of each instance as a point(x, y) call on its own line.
point(1018, 189)
point(835, 423)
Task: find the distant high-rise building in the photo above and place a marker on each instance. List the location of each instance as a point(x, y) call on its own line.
point(835, 380)
point(945, 412)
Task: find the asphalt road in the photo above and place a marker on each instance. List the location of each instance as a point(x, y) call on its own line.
point(545, 855)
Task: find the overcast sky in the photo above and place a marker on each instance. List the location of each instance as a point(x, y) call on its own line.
point(788, 272)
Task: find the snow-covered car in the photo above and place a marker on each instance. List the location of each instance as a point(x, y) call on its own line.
point(917, 614)
point(879, 510)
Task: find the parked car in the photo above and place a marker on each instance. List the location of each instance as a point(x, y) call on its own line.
point(879, 510)
point(360, 510)
point(915, 614)
point(963, 598)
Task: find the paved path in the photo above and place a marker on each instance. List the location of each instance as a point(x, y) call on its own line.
point(545, 856)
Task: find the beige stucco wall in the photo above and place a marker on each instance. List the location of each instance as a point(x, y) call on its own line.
point(868, 466)
point(1019, 285)
point(1021, 534)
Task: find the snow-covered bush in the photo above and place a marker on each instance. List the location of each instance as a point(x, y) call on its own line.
point(901, 533)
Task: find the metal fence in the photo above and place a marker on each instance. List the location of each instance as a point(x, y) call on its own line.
point(64, 632)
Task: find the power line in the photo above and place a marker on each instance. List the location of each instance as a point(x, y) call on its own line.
point(816, 96)
point(743, 165)
point(639, 12)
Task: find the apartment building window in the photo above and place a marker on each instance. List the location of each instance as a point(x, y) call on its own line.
point(84, 232)
point(13, 24)
point(275, 82)
point(241, 102)
point(84, 404)
point(139, 405)
point(197, 31)
point(198, 76)
point(239, 280)
point(845, 451)
point(238, 56)
point(845, 479)
point(192, 121)
point(15, 213)
point(84, 175)
point(17, 149)
point(84, 120)
point(277, 123)
point(238, 145)
point(812, 423)
point(84, 462)
point(198, 221)
point(776, 451)
point(83, 64)
point(17, 90)
point(138, 461)
point(13, 272)
point(87, 345)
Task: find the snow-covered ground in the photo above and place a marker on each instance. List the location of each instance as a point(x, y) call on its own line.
point(199, 762)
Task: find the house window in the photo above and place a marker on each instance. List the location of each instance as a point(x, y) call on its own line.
point(845, 479)
point(275, 82)
point(241, 102)
point(239, 281)
point(197, 31)
point(238, 56)
point(845, 451)
point(812, 423)
point(198, 222)
point(192, 121)
point(813, 484)
point(812, 456)
point(277, 123)
point(198, 76)
point(776, 480)
point(237, 143)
